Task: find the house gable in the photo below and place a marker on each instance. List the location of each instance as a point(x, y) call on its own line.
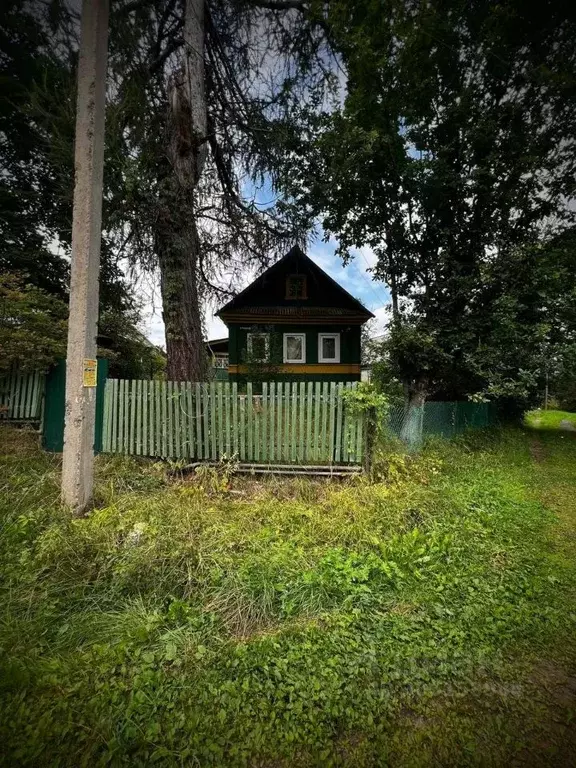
point(295, 289)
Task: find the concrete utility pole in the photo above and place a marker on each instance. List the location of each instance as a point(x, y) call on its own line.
point(78, 458)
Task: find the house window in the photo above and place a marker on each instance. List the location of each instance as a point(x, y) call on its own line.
point(328, 347)
point(259, 347)
point(296, 287)
point(294, 348)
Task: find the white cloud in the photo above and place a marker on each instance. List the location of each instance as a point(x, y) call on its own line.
point(381, 321)
point(215, 328)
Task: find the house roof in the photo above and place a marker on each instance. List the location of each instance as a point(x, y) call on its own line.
point(217, 345)
point(265, 297)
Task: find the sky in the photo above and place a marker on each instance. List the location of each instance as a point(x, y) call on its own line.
point(355, 278)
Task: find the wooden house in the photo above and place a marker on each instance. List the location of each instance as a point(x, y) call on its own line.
point(294, 322)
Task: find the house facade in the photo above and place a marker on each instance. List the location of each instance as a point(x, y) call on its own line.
point(294, 322)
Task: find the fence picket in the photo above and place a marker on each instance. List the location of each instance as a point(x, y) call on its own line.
point(242, 427)
point(158, 418)
point(188, 422)
point(198, 422)
point(324, 419)
point(213, 422)
point(137, 448)
point(286, 406)
point(301, 421)
point(113, 427)
point(331, 419)
point(294, 414)
point(14, 395)
point(272, 418)
point(120, 435)
point(346, 429)
point(220, 419)
point(27, 383)
point(163, 422)
point(176, 446)
point(257, 415)
point(107, 420)
point(265, 409)
point(250, 419)
point(316, 435)
point(235, 443)
point(309, 453)
point(339, 418)
point(227, 403)
point(206, 418)
point(279, 418)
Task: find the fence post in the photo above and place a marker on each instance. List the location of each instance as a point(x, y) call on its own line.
point(370, 431)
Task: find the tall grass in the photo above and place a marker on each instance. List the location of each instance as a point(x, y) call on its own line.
point(275, 622)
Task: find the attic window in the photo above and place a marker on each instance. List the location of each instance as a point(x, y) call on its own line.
point(296, 287)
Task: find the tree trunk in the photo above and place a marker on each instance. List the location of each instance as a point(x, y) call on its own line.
point(177, 241)
point(177, 247)
point(411, 432)
point(394, 295)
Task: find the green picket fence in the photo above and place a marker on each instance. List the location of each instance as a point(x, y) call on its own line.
point(292, 423)
point(21, 396)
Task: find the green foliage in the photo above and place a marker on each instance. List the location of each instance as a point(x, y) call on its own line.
point(37, 121)
point(366, 399)
point(32, 326)
point(447, 158)
point(562, 370)
point(295, 623)
point(130, 354)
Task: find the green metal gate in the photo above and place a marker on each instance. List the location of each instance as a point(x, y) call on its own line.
point(54, 406)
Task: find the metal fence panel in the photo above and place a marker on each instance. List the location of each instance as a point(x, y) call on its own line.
point(443, 419)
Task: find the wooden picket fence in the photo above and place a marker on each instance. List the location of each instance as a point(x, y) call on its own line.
point(21, 396)
point(296, 423)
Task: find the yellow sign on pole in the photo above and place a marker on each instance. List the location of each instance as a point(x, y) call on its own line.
point(90, 373)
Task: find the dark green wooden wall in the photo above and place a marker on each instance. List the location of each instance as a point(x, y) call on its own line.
point(349, 341)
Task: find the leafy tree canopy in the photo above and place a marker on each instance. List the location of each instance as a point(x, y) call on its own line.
point(452, 156)
point(32, 326)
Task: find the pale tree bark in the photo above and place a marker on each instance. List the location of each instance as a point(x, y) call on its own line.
point(416, 392)
point(177, 241)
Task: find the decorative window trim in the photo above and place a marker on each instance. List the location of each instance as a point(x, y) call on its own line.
point(286, 359)
point(321, 358)
point(304, 294)
point(266, 337)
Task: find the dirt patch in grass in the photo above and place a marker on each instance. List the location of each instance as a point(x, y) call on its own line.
point(18, 441)
point(557, 682)
point(536, 450)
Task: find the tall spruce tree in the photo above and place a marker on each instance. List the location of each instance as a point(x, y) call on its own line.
point(201, 94)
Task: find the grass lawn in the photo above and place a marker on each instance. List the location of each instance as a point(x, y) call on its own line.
point(549, 419)
point(429, 620)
